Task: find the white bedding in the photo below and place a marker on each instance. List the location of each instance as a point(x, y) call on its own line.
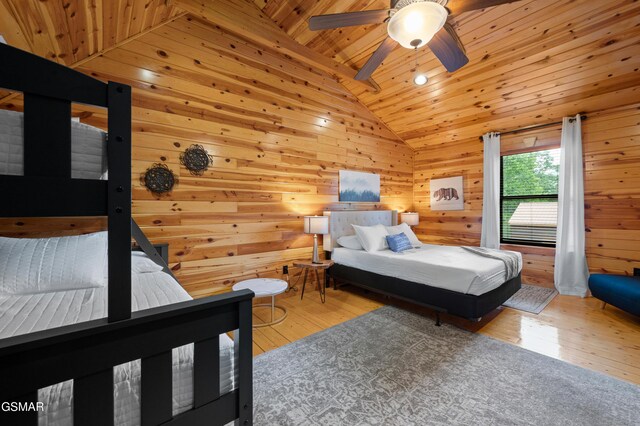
point(20, 314)
point(88, 148)
point(449, 267)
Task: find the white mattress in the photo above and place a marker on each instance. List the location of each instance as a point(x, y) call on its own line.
point(449, 267)
point(88, 148)
point(34, 312)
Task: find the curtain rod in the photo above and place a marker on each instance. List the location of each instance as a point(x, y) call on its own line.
point(536, 126)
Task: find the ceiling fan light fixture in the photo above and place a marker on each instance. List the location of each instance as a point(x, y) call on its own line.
point(414, 25)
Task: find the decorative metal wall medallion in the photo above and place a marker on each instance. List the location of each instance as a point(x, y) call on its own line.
point(159, 179)
point(196, 159)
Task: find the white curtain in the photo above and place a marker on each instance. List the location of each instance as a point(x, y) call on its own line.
point(571, 272)
point(491, 192)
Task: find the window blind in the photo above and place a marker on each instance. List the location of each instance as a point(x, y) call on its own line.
point(529, 197)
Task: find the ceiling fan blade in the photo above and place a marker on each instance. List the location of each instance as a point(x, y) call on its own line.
point(456, 7)
point(339, 20)
point(376, 59)
point(448, 48)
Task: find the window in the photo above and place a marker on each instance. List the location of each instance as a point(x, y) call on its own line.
point(529, 197)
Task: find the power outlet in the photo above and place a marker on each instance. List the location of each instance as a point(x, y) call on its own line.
point(285, 269)
point(636, 272)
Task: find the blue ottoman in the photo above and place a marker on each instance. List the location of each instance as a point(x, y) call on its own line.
point(618, 290)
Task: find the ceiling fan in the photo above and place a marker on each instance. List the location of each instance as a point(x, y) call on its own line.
point(412, 24)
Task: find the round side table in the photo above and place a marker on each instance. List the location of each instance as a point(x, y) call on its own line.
point(315, 267)
point(266, 287)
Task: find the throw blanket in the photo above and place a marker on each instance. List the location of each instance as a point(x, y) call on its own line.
point(510, 259)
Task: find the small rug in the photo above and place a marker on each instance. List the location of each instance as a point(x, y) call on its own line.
point(394, 367)
point(531, 298)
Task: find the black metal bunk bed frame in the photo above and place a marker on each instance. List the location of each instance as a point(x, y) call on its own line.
point(88, 351)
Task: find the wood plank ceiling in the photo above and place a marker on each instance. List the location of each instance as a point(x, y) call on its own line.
point(69, 31)
point(531, 62)
point(72, 32)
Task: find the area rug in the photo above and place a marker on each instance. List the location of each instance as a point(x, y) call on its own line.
point(393, 367)
point(531, 298)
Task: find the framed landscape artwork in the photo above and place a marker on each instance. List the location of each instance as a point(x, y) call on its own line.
point(359, 187)
point(447, 194)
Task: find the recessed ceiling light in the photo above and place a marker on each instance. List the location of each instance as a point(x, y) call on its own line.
point(420, 79)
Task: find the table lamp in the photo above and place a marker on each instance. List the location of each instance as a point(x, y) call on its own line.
point(316, 225)
point(410, 218)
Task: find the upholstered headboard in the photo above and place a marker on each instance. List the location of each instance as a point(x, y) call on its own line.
point(340, 223)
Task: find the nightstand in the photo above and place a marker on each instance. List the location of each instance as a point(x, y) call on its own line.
point(315, 267)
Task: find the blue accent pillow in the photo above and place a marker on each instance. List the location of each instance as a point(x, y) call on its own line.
point(399, 242)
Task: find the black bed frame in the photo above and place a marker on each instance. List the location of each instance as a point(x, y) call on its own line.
point(87, 352)
point(467, 306)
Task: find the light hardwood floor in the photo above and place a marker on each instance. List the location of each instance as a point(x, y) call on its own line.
point(574, 330)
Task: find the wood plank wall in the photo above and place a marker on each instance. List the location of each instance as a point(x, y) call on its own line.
point(612, 192)
point(278, 130)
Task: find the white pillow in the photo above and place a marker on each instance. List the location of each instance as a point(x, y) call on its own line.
point(141, 263)
point(38, 265)
point(403, 227)
point(372, 238)
point(350, 242)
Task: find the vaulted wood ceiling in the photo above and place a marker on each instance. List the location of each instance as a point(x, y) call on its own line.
point(532, 61)
point(71, 32)
point(68, 31)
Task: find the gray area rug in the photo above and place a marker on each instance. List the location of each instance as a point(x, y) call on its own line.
point(531, 298)
point(393, 367)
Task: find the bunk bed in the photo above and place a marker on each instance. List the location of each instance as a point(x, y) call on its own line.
point(90, 352)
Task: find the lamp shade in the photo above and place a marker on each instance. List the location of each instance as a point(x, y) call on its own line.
point(410, 218)
point(414, 25)
point(316, 224)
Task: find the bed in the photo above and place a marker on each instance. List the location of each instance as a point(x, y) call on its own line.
point(139, 350)
point(447, 279)
point(22, 314)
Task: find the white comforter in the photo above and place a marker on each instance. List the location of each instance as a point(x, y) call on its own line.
point(449, 267)
point(29, 313)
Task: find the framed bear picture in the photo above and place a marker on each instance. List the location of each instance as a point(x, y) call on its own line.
point(447, 193)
